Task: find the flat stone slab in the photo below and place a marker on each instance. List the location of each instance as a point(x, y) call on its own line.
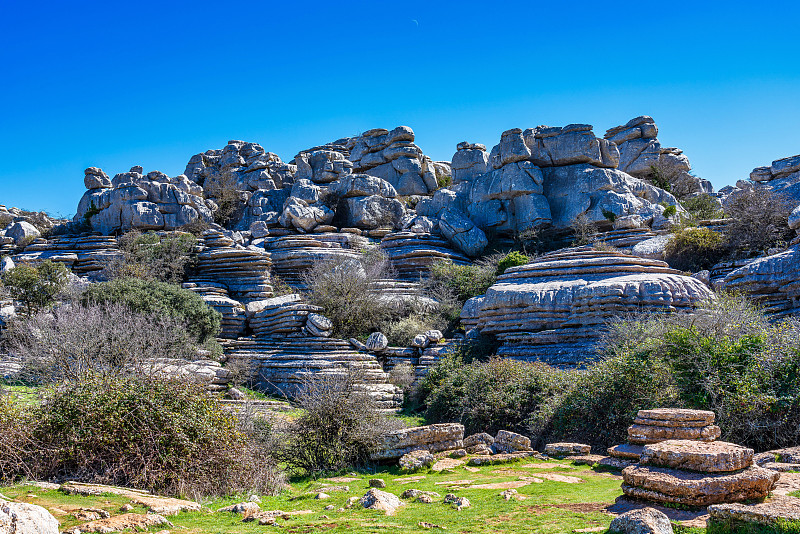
point(565, 449)
point(646, 434)
point(626, 451)
point(707, 457)
point(769, 512)
point(677, 414)
point(661, 484)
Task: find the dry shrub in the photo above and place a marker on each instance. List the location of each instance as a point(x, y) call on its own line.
point(694, 249)
point(109, 339)
point(152, 256)
point(340, 427)
point(759, 220)
point(345, 289)
point(583, 229)
point(224, 190)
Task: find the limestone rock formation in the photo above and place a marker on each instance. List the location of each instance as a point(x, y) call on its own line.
point(773, 281)
point(433, 438)
point(782, 177)
point(24, 518)
point(641, 521)
point(708, 457)
point(411, 254)
point(554, 307)
point(778, 509)
point(84, 255)
point(247, 166)
point(146, 202)
point(666, 485)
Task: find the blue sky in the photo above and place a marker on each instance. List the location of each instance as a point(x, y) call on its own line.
point(114, 84)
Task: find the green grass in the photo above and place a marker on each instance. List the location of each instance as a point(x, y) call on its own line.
point(20, 392)
point(780, 526)
point(548, 507)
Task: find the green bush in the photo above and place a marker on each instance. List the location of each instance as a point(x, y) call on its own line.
point(167, 436)
point(512, 259)
point(36, 286)
point(465, 281)
point(152, 256)
point(694, 249)
point(487, 396)
point(151, 297)
point(703, 207)
point(670, 210)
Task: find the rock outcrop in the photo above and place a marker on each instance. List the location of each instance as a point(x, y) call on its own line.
point(133, 200)
point(553, 308)
point(432, 438)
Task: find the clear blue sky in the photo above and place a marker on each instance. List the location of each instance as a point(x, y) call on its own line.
point(116, 84)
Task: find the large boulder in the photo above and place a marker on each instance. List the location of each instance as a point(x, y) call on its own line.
point(374, 211)
point(462, 232)
point(642, 521)
point(24, 518)
point(22, 232)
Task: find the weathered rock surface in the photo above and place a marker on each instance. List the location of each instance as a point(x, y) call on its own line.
point(565, 449)
point(23, 518)
point(773, 281)
point(123, 522)
point(697, 489)
point(643, 521)
point(713, 457)
point(554, 307)
point(776, 509)
point(412, 254)
point(376, 499)
point(416, 459)
point(508, 442)
point(433, 438)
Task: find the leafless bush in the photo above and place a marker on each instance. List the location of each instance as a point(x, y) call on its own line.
point(678, 182)
point(224, 190)
point(340, 427)
point(583, 229)
point(402, 376)
point(345, 288)
point(108, 339)
point(759, 219)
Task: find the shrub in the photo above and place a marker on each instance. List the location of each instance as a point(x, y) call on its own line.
point(340, 426)
point(512, 259)
point(167, 436)
point(703, 207)
point(36, 286)
point(159, 298)
point(345, 289)
point(759, 220)
point(694, 249)
point(224, 190)
point(490, 396)
point(610, 216)
point(465, 281)
point(583, 230)
point(16, 442)
point(151, 256)
point(106, 340)
point(680, 183)
point(401, 332)
point(670, 210)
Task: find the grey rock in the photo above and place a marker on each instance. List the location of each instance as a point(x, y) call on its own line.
point(462, 233)
point(24, 518)
point(95, 178)
point(373, 212)
point(377, 342)
point(642, 521)
point(22, 231)
point(794, 219)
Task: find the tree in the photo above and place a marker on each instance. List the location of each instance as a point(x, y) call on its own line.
point(37, 286)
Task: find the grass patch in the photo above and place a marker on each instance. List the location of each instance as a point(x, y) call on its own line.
point(547, 506)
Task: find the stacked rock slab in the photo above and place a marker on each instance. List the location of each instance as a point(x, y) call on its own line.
point(661, 424)
point(412, 254)
point(293, 255)
point(234, 318)
point(432, 438)
point(782, 177)
point(280, 316)
point(697, 473)
point(84, 255)
point(553, 308)
point(243, 271)
point(773, 281)
point(280, 365)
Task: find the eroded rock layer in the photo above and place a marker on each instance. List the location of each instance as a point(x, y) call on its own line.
point(554, 307)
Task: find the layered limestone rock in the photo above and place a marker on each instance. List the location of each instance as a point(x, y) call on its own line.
point(432, 438)
point(246, 166)
point(133, 200)
point(280, 316)
point(209, 373)
point(773, 281)
point(84, 255)
point(244, 272)
point(782, 460)
point(660, 424)
point(782, 177)
point(412, 254)
point(553, 308)
point(280, 365)
point(776, 510)
point(640, 151)
point(293, 255)
point(664, 485)
point(708, 457)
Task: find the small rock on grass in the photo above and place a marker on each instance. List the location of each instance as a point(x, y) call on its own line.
point(377, 483)
point(425, 524)
point(642, 521)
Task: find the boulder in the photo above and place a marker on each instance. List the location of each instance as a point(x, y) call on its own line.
point(433, 438)
point(778, 509)
point(24, 518)
point(96, 179)
point(642, 521)
point(566, 449)
point(508, 442)
point(374, 211)
point(666, 485)
point(376, 342)
point(376, 499)
point(714, 457)
point(22, 231)
point(462, 233)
